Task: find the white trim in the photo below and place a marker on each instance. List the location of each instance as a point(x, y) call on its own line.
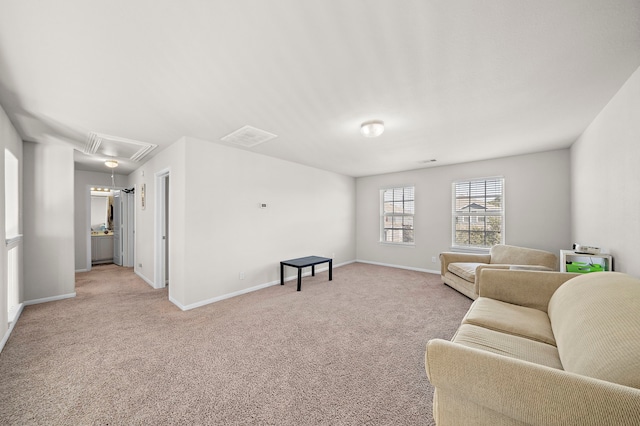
point(145, 279)
point(13, 241)
point(12, 324)
point(17, 310)
point(462, 249)
point(160, 281)
point(409, 268)
point(50, 299)
point(247, 290)
point(81, 270)
point(87, 226)
point(223, 297)
point(390, 243)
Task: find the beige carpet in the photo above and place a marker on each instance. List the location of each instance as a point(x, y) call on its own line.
point(345, 352)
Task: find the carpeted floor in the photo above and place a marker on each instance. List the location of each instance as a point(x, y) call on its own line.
point(345, 352)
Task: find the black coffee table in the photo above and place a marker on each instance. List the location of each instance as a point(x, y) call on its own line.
point(303, 262)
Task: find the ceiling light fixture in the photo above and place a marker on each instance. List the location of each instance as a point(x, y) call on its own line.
point(373, 128)
point(111, 163)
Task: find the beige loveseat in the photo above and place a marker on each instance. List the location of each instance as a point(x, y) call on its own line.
point(542, 348)
point(461, 270)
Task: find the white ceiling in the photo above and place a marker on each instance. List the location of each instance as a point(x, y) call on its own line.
point(455, 81)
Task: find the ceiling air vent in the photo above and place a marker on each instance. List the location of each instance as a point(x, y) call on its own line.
point(93, 142)
point(248, 136)
point(117, 147)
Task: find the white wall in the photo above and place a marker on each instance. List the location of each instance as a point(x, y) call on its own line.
point(173, 159)
point(605, 180)
point(309, 212)
point(536, 201)
point(10, 140)
point(83, 181)
point(48, 222)
point(219, 231)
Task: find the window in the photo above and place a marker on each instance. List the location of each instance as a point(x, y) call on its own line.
point(11, 194)
point(398, 208)
point(12, 226)
point(478, 213)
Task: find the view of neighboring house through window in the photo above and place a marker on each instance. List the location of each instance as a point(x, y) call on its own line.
point(478, 213)
point(398, 209)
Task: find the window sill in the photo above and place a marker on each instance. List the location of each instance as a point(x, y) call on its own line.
point(13, 241)
point(406, 245)
point(483, 250)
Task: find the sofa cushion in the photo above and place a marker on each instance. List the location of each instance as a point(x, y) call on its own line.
point(512, 319)
point(596, 322)
point(514, 255)
point(464, 270)
point(508, 345)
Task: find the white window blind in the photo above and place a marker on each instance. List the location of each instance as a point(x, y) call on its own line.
point(478, 213)
point(398, 209)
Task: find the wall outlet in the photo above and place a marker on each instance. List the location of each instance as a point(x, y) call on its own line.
point(433, 259)
point(241, 276)
point(139, 265)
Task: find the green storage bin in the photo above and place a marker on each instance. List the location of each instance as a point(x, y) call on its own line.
point(583, 268)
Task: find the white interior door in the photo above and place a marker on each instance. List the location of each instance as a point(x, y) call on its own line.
point(117, 228)
point(162, 226)
point(128, 220)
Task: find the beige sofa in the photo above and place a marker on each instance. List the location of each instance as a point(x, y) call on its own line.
point(542, 348)
point(461, 270)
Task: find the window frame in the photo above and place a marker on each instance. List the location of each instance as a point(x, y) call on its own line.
point(477, 217)
point(403, 214)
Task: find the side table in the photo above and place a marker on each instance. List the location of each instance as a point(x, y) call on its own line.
point(303, 262)
point(604, 259)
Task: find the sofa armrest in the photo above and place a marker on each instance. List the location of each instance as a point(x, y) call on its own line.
point(532, 289)
point(540, 395)
point(448, 257)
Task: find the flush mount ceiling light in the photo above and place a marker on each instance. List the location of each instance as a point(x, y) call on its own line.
point(111, 163)
point(373, 128)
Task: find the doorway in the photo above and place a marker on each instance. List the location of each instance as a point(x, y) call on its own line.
point(162, 229)
point(110, 224)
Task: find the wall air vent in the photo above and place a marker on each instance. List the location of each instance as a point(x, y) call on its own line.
point(248, 137)
point(117, 147)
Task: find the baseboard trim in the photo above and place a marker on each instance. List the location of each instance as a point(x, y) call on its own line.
point(145, 279)
point(410, 268)
point(81, 270)
point(50, 299)
point(248, 290)
point(12, 324)
point(219, 298)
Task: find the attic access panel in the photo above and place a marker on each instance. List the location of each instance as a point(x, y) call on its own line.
point(117, 147)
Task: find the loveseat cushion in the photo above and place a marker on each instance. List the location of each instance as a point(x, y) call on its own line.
point(465, 270)
point(512, 319)
point(509, 345)
point(596, 322)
